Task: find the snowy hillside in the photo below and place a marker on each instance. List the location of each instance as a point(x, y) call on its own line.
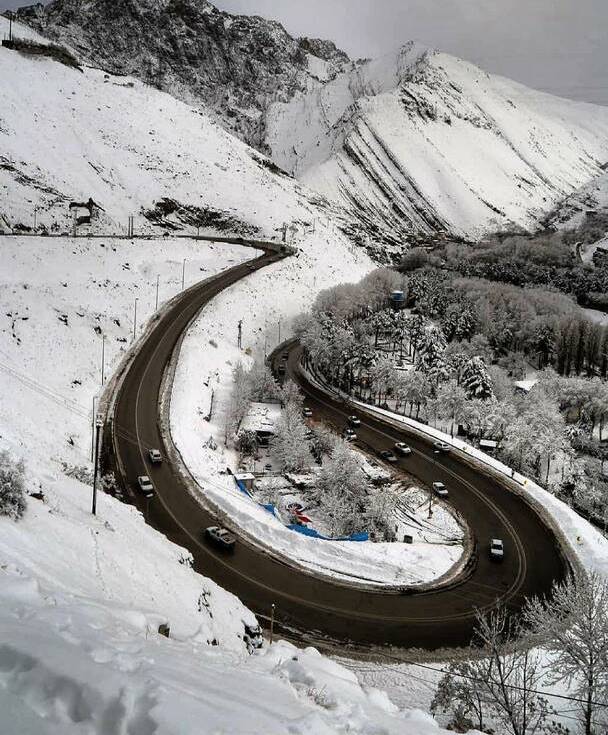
point(413, 142)
point(68, 135)
point(236, 65)
point(591, 197)
point(422, 141)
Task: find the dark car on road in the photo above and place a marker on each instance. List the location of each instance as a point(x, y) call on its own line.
point(354, 421)
point(497, 549)
point(440, 489)
point(388, 456)
point(349, 435)
point(306, 412)
point(220, 537)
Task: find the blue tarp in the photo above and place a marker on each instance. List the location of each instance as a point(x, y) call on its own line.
point(306, 531)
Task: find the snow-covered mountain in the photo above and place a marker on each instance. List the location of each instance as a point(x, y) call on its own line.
point(413, 142)
point(236, 65)
point(420, 141)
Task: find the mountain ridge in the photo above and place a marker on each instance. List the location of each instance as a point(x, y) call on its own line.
point(409, 145)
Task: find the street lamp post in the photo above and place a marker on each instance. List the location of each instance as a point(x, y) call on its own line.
point(135, 319)
point(103, 355)
point(157, 282)
point(98, 425)
point(183, 273)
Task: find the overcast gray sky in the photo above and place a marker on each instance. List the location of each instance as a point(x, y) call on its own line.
point(557, 45)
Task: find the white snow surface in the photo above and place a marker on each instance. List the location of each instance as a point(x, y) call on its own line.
point(422, 140)
point(67, 135)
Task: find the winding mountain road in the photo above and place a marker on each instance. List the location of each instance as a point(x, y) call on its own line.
point(320, 610)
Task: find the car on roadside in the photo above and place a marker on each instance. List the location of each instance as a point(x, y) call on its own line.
point(402, 449)
point(440, 490)
point(220, 537)
point(388, 456)
point(349, 435)
point(306, 412)
point(155, 456)
point(440, 446)
point(145, 486)
point(497, 549)
point(251, 266)
point(354, 421)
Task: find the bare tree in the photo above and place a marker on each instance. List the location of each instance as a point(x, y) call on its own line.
point(573, 624)
point(500, 688)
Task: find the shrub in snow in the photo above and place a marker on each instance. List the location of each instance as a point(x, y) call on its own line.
point(247, 442)
point(12, 487)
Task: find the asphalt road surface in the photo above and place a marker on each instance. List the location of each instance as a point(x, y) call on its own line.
point(320, 610)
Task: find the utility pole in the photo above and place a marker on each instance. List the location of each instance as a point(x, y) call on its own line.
point(10, 26)
point(103, 354)
point(240, 337)
point(35, 217)
point(93, 431)
point(183, 273)
point(98, 425)
point(157, 281)
point(135, 320)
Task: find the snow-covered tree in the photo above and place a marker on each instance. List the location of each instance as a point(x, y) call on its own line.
point(451, 400)
point(12, 486)
point(476, 380)
point(573, 625)
point(342, 490)
point(247, 442)
point(290, 444)
point(263, 385)
point(431, 349)
point(290, 393)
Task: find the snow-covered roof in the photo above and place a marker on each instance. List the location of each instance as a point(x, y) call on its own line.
point(262, 417)
point(526, 385)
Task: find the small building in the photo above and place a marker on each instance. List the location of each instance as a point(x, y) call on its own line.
point(262, 419)
point(525, 386)
point(397, 300)
point(245, 480)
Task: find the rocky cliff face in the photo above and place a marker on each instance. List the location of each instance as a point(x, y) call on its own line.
point(236, 65)
point(408, 145)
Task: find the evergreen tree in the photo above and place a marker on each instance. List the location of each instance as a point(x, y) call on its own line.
point(476, 380)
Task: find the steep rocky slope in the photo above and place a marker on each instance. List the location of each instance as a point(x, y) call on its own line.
point(412, 143)
point(421, 141)
point(236, 65)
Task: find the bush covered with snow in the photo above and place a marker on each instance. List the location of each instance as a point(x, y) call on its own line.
point(12, 486)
